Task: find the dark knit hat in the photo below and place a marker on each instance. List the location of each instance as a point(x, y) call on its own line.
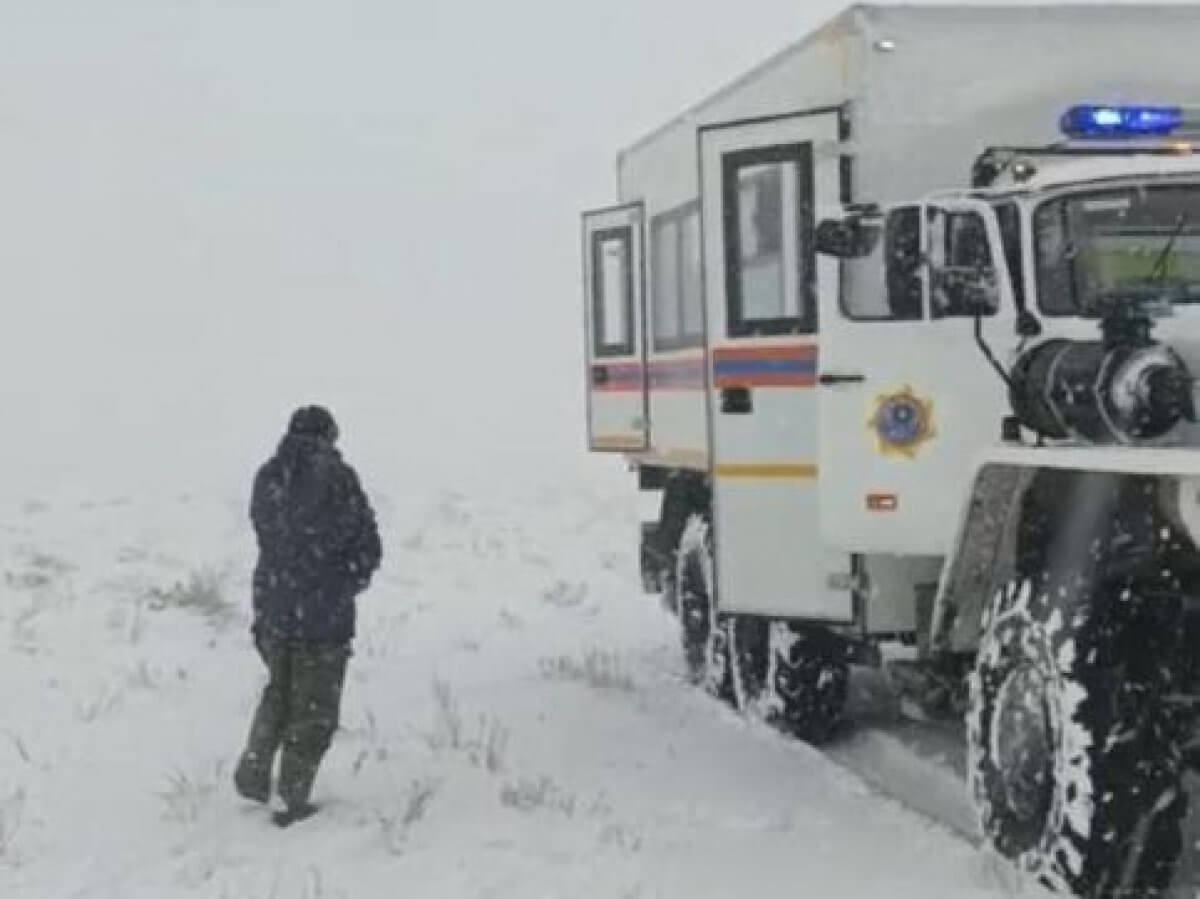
point(314, 421)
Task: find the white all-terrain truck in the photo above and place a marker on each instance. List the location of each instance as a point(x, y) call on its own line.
point(899, 333)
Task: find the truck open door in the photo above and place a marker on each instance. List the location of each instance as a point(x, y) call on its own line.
point(761, 184)
point(614, 325)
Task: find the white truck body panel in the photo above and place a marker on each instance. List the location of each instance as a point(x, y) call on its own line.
point(919, 92)
point(770, 559)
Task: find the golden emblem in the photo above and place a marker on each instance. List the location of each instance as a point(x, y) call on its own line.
point(902, 422)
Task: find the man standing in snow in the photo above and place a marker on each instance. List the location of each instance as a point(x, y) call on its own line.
point(318, 549)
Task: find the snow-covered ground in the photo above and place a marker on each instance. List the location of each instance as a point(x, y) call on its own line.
point(515, 724)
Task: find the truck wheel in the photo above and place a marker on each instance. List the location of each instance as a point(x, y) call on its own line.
point(1073, 753)
point(807, 683)
point(747, 638)
point(705, 641)
point(650, 563)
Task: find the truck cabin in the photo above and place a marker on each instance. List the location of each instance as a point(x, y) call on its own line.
point(1098, 237)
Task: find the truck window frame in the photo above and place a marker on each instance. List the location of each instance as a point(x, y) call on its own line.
point(946, 251)
point(736, 322)
point(682, 338)
point(601, 349)
point(889, 316)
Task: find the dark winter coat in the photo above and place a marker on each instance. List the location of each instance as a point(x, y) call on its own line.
point(317, 539)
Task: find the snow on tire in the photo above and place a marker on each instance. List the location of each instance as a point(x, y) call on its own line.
point(790, 677)
point(1073, 757)
point(705, 641)
point(806, 684)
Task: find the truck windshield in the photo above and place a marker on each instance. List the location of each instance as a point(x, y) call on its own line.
point(1128, 241)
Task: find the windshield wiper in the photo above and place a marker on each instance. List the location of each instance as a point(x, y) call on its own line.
point(1164, 257)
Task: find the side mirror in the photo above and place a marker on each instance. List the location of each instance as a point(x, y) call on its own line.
point(964, 291)
point(852, 237)
point(963, 279)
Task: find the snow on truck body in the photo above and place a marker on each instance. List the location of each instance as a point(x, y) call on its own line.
point(900, 326)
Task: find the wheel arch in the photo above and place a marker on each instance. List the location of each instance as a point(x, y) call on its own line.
point(1013, 521)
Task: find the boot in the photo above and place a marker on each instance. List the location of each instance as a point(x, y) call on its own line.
point(293, 813)
point(252, 778)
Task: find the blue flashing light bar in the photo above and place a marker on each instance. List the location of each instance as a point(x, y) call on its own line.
point(1091, 121)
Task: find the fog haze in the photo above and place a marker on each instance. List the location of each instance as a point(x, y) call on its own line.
point(213, 212)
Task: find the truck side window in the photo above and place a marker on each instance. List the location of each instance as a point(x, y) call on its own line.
point(887, 284)
point(769, 260)
point(675, 284)
point(1055, 256)
point(612, 292)
point(664, 281)
point(691, 277)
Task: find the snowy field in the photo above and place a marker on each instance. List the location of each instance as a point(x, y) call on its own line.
point(515, 722)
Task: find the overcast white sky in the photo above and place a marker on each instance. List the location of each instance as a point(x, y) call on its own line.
point(212, 211)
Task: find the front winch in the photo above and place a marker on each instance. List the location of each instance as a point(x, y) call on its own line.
point(1100, 392)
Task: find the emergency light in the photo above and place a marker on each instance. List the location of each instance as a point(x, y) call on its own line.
point(1092, 121)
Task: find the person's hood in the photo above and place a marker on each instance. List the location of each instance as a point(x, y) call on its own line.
point(300, 452)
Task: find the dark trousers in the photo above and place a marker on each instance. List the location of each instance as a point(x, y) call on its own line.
point(296, 717)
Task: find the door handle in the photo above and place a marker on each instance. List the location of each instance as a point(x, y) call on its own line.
point(831, 379)
point(736, 401)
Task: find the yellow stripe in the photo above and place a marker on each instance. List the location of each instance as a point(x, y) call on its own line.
point(618, 441)
point(792, 471)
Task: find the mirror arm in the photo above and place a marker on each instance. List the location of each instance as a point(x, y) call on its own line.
point(982, 343)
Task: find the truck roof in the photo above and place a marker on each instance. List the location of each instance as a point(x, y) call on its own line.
point(863, 18)
point(842, 21)
point(1061, 172)
point(923, 91)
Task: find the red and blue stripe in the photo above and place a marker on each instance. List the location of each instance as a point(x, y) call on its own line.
point(772, 366)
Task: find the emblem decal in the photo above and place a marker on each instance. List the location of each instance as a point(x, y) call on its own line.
point(902, 423)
